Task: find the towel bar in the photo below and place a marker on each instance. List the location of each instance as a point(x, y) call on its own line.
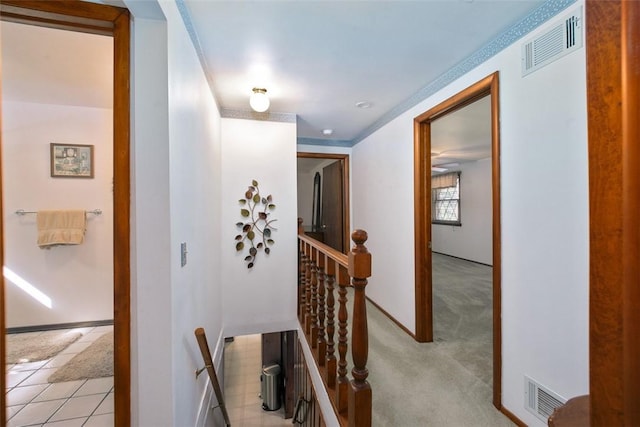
point(23, 212)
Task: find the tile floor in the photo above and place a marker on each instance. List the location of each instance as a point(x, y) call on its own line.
point(32, 401)
point(243, 366)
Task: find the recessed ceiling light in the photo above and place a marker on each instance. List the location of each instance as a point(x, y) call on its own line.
point(364, 104)
point(327, 131)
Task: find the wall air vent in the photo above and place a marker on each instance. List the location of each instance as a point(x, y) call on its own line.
point(539, 400)
point(560, 40)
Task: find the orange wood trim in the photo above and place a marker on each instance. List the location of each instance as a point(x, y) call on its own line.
point(497, 240)
point(604, 93)
point(393, 319)
point(302, 154)
point(201, 338)
point(631, 207)
point(460, 100)
point(351, 399)
point(64, 9)
point(55, 23)
point(517, 421)
point(118, 18)
point(574, 413)
point(360, 390)
point(422, 216)
point(121, 238)
point(346, 228)
point(346, 202)
point(422, 224)
point(3, 338)
point(335, 255)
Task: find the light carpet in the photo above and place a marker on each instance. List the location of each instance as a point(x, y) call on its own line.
point(96, 361)
point(446, 382)
point(35, 346)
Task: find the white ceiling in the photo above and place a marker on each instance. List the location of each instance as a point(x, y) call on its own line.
point(462, 136)
point(316, 58)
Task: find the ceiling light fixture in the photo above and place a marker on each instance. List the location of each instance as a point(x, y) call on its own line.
point(327, 132)
point(364, 104)
point(259, 100)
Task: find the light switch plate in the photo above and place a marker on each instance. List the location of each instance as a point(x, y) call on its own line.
point(183, 254)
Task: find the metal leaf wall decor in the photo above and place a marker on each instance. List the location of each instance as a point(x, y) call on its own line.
point(256, 227)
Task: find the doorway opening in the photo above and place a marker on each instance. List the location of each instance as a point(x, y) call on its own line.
point(113, 22)
point(460, 239)
point(323, 198)
point(423, 152)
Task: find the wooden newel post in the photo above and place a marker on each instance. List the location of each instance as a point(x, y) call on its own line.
point(360, 390)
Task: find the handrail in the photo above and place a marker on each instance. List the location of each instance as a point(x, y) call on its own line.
point(208, 365)
point(320, 268)
point(332, 253)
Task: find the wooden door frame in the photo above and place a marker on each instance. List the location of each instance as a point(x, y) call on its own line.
point(346, 230)
point(613, 99)
point(107, 20)
point(422, 200)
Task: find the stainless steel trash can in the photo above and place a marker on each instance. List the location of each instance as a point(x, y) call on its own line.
point(270, 387)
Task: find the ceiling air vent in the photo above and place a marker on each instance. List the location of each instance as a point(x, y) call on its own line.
point(560, 40)
point(539, 400)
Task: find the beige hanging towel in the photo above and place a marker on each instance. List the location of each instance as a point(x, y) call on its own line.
point(61, 227)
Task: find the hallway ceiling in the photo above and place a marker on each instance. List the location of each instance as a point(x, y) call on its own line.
point(317, 59)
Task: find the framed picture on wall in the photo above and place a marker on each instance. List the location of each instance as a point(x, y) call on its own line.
point(71, 161)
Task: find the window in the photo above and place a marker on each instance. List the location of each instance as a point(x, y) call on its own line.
point(445, 199)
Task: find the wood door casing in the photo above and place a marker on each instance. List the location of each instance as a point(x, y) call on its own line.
point(332, 206)
point(3, 338)
point(613, 98)
point(422, 217)
point(345, 190)
point(107, 20)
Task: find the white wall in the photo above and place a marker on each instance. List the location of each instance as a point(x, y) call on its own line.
point(545, 230)
point(77, 279)
point(472, 240)
point(263, 298)
point(182, 192)
point(195, 158)
point(176, 194)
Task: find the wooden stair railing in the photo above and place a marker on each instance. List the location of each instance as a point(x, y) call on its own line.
point(201, 337)
point(320, 268)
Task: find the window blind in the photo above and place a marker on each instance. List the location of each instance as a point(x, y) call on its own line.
point(444, 180)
